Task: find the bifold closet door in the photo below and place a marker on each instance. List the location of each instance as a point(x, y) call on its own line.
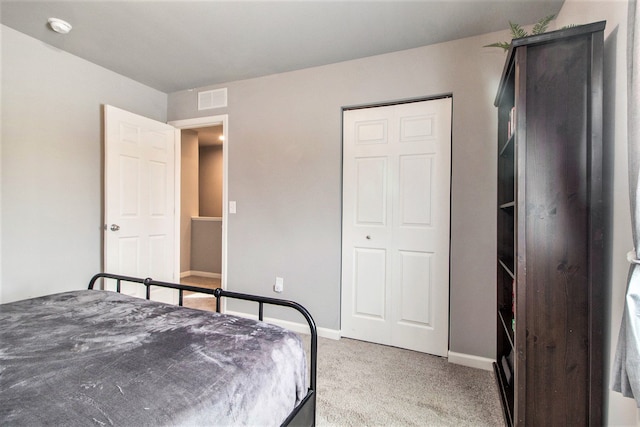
point(396, 204)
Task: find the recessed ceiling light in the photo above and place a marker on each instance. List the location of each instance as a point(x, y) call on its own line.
point(59, 26)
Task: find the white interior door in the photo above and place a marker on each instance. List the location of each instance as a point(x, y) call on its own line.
point(396, 215)
point(140, 235)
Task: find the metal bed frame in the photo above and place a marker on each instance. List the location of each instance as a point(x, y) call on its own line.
point(305, 413)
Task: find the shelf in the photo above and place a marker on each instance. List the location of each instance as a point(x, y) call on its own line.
point(505, 314)
point(506, 394)
point(507, 269)
point(507, 145)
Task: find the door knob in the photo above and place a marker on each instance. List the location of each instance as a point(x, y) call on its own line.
point(115, 227)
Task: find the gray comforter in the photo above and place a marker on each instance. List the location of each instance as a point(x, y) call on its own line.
point(101, 358)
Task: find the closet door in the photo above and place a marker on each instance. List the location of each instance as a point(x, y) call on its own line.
point(396, 193)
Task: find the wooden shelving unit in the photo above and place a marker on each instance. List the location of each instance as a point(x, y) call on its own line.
point(550, 229)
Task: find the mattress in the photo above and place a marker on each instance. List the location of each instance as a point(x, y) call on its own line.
point(102, 358)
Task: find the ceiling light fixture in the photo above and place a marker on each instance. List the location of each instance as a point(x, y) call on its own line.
point(59, 26)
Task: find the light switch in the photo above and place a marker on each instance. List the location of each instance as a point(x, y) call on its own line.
point(232, 207)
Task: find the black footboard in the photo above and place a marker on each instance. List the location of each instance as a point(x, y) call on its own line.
point(305, 413)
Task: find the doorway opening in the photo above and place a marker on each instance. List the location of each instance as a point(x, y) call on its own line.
point(202, 168)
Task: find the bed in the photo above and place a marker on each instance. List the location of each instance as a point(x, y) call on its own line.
point(102, 358)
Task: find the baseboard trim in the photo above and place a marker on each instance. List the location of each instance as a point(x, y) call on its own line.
point(201, 274)
point(471, 361)
point(292, 326)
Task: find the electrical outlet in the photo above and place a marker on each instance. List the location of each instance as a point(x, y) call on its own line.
point(279, 285)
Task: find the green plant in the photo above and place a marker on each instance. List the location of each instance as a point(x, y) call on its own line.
point(518, 32)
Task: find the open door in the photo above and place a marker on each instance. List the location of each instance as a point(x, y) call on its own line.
point(140, 208)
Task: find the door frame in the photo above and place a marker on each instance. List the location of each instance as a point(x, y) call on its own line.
point(195, 123)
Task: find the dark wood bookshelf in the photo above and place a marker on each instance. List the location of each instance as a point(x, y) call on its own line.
point(549, 320)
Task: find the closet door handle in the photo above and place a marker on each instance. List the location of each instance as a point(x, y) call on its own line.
point(115, 227)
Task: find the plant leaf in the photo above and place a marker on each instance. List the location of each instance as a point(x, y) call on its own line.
point(541, 25)
point(517, 31)
point(503, 45)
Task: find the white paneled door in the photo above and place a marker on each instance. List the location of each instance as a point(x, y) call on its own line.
point(139, 199)
point(396, 205)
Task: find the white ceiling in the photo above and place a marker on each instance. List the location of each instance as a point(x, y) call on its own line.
point(177, 45)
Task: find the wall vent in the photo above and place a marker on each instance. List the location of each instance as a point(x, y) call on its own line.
point(209, 99)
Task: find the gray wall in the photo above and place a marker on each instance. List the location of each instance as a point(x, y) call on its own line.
point(211, 181)
point(52, 163)
point(206, 245)
point(285, 154)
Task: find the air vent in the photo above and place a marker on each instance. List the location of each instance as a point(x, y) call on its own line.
point(212, 99)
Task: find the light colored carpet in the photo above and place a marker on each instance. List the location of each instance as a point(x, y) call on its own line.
point(364, 384)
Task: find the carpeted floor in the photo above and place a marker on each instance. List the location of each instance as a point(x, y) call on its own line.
point(364, 384)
